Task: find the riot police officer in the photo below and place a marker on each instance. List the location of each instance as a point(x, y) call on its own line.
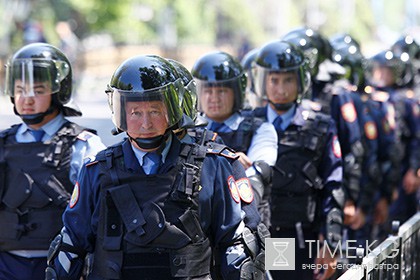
point(153, 208)
point(307, 196)
point(389, 75)
point(256, 231)
point(221, 84)
point(336, 101)
point(40, 158)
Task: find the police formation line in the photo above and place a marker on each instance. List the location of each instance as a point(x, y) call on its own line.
point(303, 138)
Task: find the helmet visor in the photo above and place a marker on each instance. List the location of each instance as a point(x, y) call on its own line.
point(189, 103)
point(166, 101)
point(205, 87)
point(29, 77)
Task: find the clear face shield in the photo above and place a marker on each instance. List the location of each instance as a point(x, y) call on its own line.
point(189, 102)
point(29, 77)
point(130, 108)
point(261, 75)
point(219, 88)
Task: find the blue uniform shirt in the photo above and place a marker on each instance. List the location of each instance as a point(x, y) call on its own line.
point(264, 141)
point(86, 145)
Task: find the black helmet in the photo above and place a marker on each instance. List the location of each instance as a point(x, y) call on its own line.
point(343, 39)
point(407, 46)
point(189, 100)
point(346, 52)
point(221, 69)
point(247, 63)
point(401, 70)
point(146, 78)
point(281, 56)
point(314, 46)
point(42, 62)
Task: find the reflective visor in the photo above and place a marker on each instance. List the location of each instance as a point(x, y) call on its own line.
point(26, 76)
point(170, 96)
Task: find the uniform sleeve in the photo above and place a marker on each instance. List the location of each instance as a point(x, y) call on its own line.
point(81, 215)
point(220, 214)
point(350, 137)
point(331, 172)
point(87, 145)
point(264, 144)
point(80, 223)
point(220, 210)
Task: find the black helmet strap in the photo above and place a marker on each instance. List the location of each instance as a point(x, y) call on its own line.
point(282, 106)
point(34, 118)
point(152, 142)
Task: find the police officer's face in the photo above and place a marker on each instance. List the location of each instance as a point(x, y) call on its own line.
point(33, 100)
point(383, 76)
point(217, 102)
point(146, 119)
point(282, 88)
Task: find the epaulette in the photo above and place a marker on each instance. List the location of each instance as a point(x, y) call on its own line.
point(222, 150)
point(85, 135)
point(90, 160)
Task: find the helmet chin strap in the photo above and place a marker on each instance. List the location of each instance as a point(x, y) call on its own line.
point(282, 107)
point(34, 118)
point(152, 142)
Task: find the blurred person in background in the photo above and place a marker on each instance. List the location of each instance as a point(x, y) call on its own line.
point(71, 46)
point(391, 77)
point(40, 158)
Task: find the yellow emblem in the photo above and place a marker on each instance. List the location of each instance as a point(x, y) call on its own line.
point(75, 195)
point(245, 190)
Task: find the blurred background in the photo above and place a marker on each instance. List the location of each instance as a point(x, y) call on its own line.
point(97, 35)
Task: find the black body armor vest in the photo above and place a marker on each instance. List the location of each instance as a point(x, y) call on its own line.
point(296, 181)
point(149, 224)
point(240, 139)
point(34, 188)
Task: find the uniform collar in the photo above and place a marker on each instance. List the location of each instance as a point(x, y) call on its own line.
point(50, 128)
point(133, 157)
point(286, 117)
point(232, 122)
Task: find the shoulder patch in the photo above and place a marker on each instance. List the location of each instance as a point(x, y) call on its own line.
point(85, 135)
point(233, 188)
point(75, 195)
point(245, 190)
point(349, 112)
point(336, 147)
point(370, 130)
